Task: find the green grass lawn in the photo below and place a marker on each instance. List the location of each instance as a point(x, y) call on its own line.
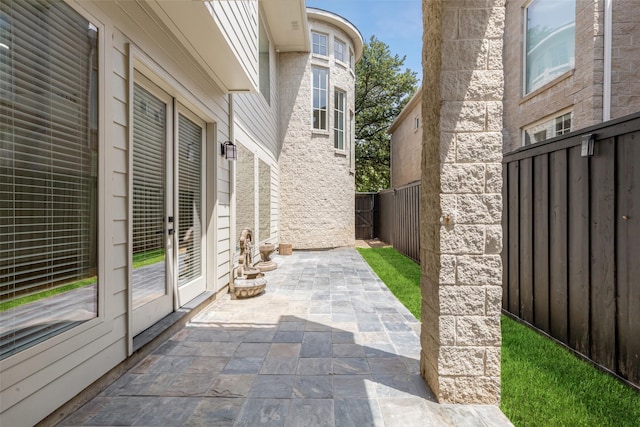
point(543, 384)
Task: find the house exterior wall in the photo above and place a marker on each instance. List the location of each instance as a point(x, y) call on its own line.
point(406, 143)
point(578, 90)
point(625, 58)
point(581, 90)
point(38, 380)
point(316, 180)
point(258, 131)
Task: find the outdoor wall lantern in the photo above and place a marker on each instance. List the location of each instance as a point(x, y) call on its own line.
point(228, 150)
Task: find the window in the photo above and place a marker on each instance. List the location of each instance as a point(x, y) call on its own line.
point(563, 124)
point(320, 77)
point(48, 172)
point(550, 41)
point(263, 64)
point(548, 128)
point(319, 44)
point(338, 120)
point(351, 60)
point(339, 50)
point(416, 123)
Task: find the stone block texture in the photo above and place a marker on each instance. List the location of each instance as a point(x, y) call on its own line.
point(461, 232)
point(317, 208)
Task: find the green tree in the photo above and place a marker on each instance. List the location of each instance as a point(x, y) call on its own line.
point(382, 90)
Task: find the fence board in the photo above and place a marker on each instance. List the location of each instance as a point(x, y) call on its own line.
point(505, 237)
point(526, 240)
point(603, 305)
point(514, 248)
point(558, 244)
point(578, 257)
point(541, 242)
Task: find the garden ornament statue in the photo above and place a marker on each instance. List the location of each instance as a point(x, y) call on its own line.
point(250, 281)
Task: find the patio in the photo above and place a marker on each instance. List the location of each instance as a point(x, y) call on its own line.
point(327, 344)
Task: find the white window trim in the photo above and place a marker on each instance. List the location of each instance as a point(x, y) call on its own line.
point(325, 130)
point(337, 90)
point(326, 37)
point(345, 51)
point(68, 342)
point(544, 120)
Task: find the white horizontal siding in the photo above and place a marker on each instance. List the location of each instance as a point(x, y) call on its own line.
point(238, 21)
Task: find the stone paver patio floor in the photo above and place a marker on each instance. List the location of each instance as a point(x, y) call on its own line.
point(327, 344)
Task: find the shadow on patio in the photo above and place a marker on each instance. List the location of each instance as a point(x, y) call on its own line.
point(326, 345)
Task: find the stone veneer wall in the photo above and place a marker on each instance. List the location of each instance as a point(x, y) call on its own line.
point(461, 229)
point(580, 89)
point(317, 205)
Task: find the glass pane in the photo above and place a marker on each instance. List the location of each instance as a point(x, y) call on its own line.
point(245, 192)
point(189, 200)
point(264, 200)
point(550, 41)
point(149, 164)
point(48, 172)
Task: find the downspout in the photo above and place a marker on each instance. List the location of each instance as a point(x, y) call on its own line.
point(232, 201)
point(606, 84)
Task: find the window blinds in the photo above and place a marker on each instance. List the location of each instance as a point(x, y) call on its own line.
point(48, 168)
point(189, 200)
point(149, 166)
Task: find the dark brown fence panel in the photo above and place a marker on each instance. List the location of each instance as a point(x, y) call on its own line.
point(399, 220)
point(578, 264)
point(572, 238)
point(628, 247)
point(541, 242)
point(386, 216)
point(603, 286)
point(558, 244)
point(365, 215)
point(513, 258)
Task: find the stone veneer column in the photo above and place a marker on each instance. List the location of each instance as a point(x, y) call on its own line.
point(461, 230)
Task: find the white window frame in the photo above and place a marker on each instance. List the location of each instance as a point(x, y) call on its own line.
point(352, 58)
point(318, 48)
point(343, 50)
point(548, 125)
point(58, 346)
point(560, 69)
point(319, 90)
point(339, 121)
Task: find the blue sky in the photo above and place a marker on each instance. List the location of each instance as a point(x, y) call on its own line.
point(398, 23)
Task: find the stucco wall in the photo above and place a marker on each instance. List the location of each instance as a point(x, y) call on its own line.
point(317, 186)
point(406, 144)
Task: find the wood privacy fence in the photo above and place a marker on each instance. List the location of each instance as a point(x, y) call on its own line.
point(572, 242)
point(398, 219)
point(365, 215)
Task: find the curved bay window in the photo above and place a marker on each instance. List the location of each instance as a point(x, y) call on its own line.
point(48, 172)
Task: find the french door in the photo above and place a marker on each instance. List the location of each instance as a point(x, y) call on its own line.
point(167, 200)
